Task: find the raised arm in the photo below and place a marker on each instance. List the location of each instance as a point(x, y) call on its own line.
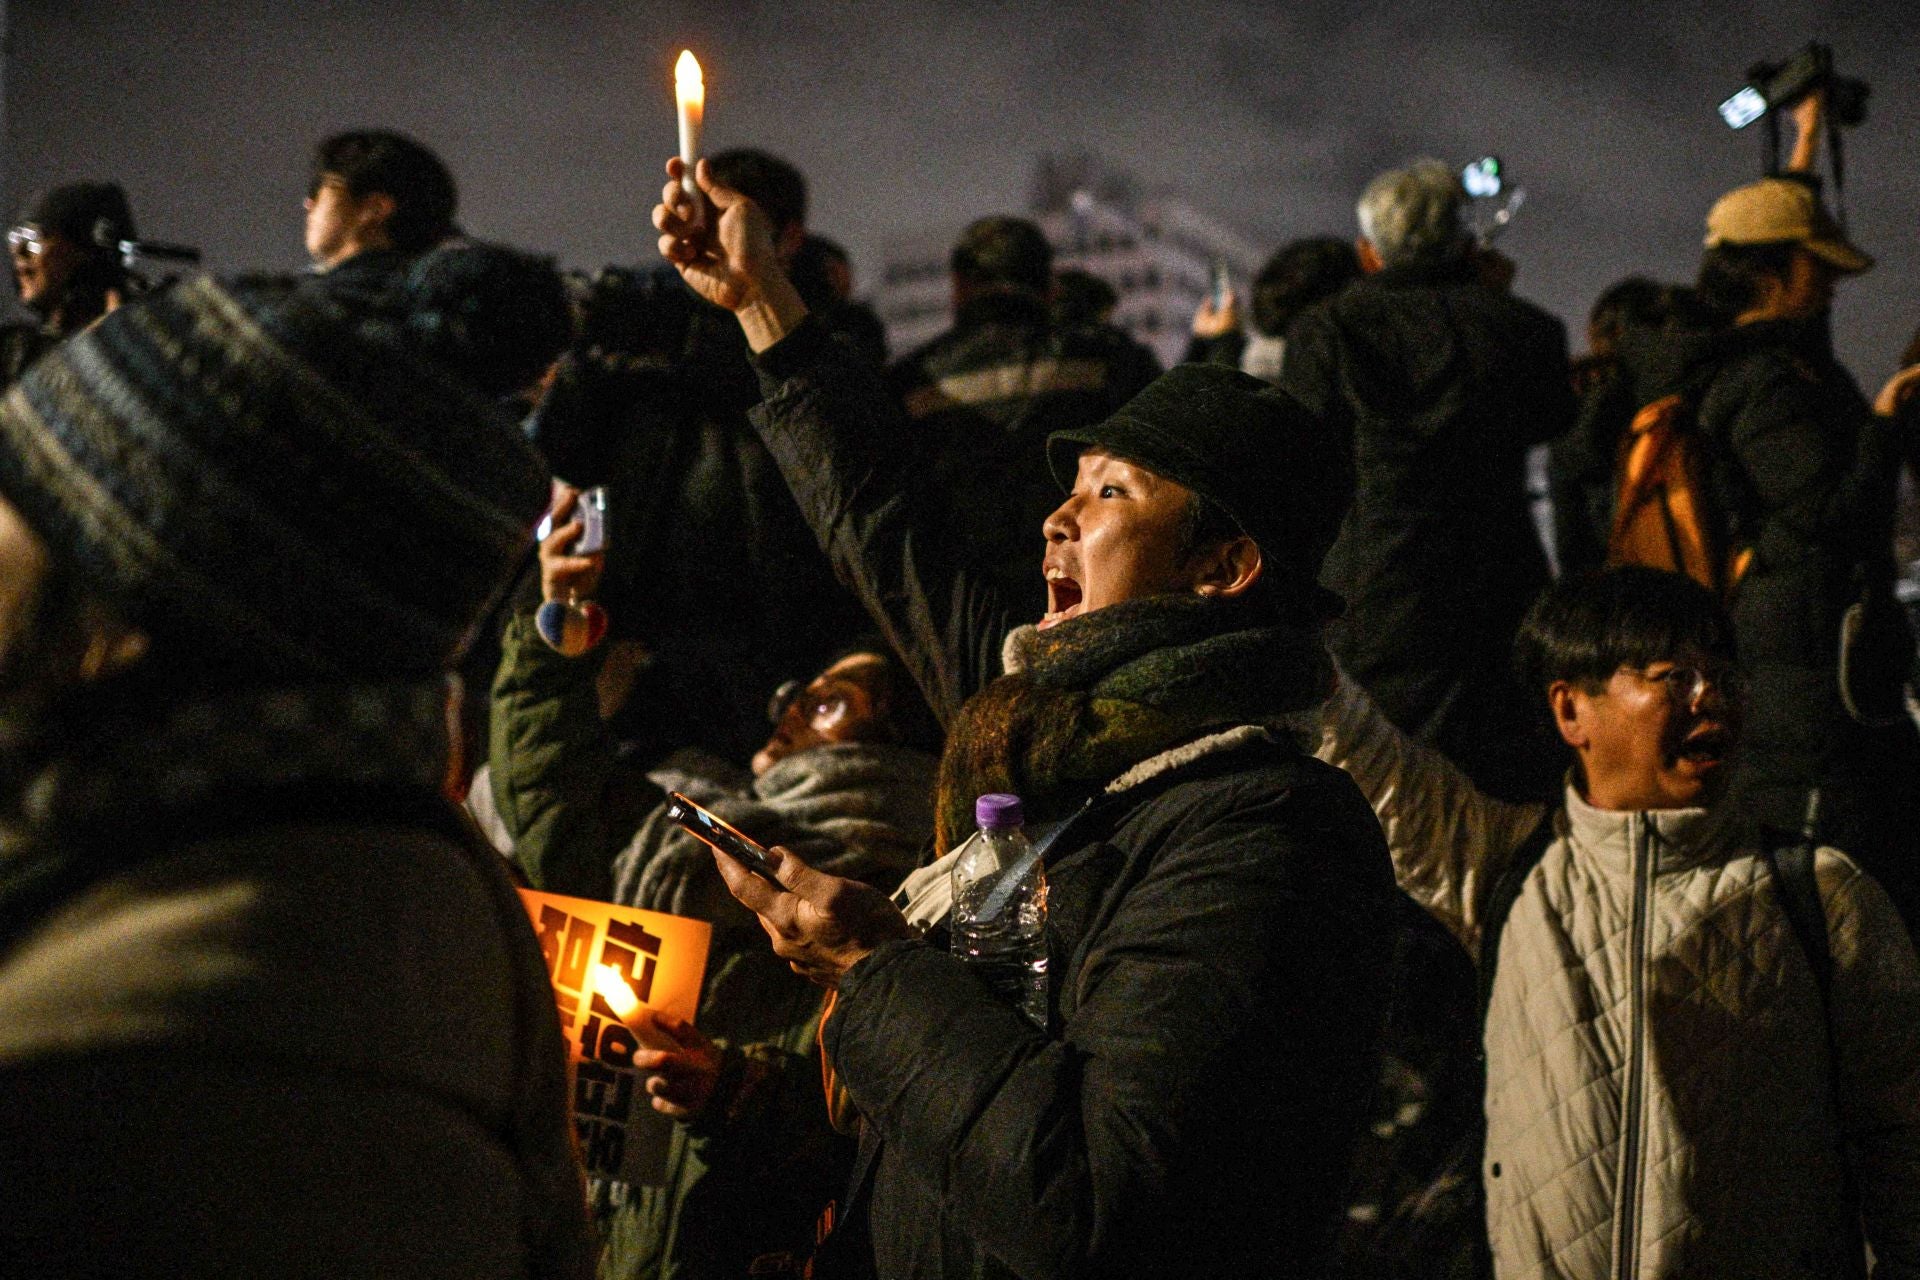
point(563, 792)
point(843, 445)
point(1449, 840)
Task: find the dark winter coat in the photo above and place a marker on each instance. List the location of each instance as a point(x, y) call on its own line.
point(708, 562)
point(981, 400)
point(1804, 475)
point(1581, 468)
point(1216, 951)
point(267, 1010)
point(20, 346)
point(1442, 384)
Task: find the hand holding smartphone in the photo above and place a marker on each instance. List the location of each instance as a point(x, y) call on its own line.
point(590, 509)
point(718, 834)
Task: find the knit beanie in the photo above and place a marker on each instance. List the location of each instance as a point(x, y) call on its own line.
point(257, 474)
point(1249, 448)
point(77, 210)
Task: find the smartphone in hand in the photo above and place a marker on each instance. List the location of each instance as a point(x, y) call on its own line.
point(590, 509)
point(728, 840)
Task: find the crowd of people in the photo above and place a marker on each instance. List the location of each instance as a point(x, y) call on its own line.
point(1422, 899)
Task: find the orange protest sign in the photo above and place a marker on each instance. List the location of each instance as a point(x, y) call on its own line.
point(609, 963)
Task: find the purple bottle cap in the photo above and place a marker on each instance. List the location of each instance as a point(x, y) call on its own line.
point(998, 811)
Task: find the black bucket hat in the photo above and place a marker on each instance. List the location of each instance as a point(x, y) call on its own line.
point(1244, 445)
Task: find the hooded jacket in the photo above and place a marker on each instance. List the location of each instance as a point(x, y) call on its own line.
point(1217, 961)
point(1660, 1101)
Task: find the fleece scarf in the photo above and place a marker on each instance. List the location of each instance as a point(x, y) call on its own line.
point(1086, 700)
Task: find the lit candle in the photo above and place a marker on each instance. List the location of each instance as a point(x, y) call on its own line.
point(614, 990)
point(691, 93)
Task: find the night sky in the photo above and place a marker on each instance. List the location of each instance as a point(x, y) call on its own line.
point(916, 116)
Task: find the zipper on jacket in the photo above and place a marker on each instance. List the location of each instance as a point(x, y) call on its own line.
point(1628, 1188)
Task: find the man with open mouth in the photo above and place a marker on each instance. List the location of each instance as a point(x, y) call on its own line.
point(1699, 1035)
point(1218, 951)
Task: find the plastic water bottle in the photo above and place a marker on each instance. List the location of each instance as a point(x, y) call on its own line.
point(999, 921)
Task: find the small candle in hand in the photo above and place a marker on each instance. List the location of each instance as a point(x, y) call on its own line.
point(613, 988)
point(691, 93)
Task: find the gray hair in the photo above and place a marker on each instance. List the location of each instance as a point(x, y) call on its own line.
point(1414, 214)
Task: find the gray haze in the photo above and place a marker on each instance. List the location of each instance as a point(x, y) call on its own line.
point(555, 114)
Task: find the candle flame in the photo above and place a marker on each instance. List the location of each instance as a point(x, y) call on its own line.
point(687, 81)
point(614, 990)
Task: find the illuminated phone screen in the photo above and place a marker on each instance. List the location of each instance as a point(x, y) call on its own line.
point(1743, 108)
point(716, 833)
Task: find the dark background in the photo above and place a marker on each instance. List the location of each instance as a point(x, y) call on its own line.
point(911, 117)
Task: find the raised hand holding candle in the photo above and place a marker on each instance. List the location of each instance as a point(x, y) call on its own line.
point(690, 91)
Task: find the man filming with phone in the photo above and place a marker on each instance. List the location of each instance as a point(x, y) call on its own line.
point(1217, 961)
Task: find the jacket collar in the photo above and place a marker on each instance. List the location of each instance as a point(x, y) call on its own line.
point(1424, 274)
point(1001, 306)
point(1682, 838)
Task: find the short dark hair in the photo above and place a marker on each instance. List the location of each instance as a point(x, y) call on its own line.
point(378, 160)
point(1584, 628)
point(1299, 275)
point(1731, 276)
point(495, 315)
point(812, 273)
point(1004, 253)
point(1081, 298)
point(1635, 302)
point(767, 180)
point(1205, 524)
point(908, 720)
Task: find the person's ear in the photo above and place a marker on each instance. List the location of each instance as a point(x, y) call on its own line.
point(1230, 569)
point(376, 210)
point(1569, 706)
point(1369, 256)
point(787, 241)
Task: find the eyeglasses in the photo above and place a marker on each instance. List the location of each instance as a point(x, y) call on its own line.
point(27, 240)
point(784, 697)
point(1687, 685)
point(820, 708)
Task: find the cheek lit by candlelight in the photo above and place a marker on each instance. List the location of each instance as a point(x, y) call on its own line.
point(614, 990)
point(689, 87)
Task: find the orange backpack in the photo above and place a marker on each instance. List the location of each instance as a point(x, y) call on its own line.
point(1664, 516)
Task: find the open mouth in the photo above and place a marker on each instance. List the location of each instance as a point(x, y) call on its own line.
point(1706, 747)
point(1063, 598)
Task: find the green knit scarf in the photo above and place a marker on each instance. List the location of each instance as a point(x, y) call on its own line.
point(1086, 700)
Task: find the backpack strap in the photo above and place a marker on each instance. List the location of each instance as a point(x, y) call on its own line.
point(1791, 865)
point(1792, 870)
point(1501, 896)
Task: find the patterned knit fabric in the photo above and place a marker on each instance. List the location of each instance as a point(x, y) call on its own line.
point(276, 480)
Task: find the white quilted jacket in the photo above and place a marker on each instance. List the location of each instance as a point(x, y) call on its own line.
point(1659, 1098)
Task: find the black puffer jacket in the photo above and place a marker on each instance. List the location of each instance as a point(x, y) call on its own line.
point(1804, 474)
point(1442, 384)
point(1217, 962)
